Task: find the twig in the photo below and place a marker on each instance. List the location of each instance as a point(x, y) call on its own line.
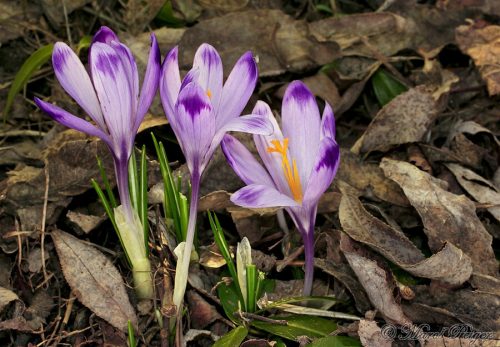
point(253, 316)
point(44, 219)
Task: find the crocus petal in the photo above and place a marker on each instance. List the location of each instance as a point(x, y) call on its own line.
point(328, 123)
point(301, 125)
point(237, 90)
point(71, 121)
point(105, 35)
point(191, 76)
point(325, 168)
point(196, 125)
point(272, 161)
point(244, 163)
point(210, 79)
point(253, 124)
point(260, 196)
point(76, 82)
point(132, 75)
point(150, 82)
point(113, 89)
point(170, 82)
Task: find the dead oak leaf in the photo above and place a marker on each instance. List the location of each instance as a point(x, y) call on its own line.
point(377, 282)
point(449, 264)
point(483, 45)
point(446, 217)
point(94, 280)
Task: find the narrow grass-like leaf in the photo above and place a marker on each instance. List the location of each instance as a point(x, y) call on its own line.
point(251, 287)
point(33, 63)
point(110, 213)
point(133, 180)
point(175, 203)
point(131, 335)
point(107, 186)
point(143, 196)
point(233, 338)
point(386, 87)
point(298, 326)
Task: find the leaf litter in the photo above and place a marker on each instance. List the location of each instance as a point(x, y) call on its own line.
point(410, 227)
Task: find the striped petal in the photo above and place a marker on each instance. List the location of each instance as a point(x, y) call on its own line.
point(195, 126)
point(170, 83)
point(301, 125)
point(114, 91)
point(76, 82)
point(244, 163)
point(325, 168)
point(261, 196)
point(67, 119)
point(150, 82)
point(328, 123)
point(208, 61)
point(238, 89)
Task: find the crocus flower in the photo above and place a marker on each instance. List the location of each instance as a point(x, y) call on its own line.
point(300, 164)
point(110, 96)
point(200, 110)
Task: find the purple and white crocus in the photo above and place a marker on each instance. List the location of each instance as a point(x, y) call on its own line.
point(110, 96)
point(300, 164)
point(201, 109)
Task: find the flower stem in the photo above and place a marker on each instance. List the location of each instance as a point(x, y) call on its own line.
point(308, 239)
point(181, 275)
point(121, 172)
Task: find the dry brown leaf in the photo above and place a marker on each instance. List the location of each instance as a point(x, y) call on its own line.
point(371, 335)
point(94, 280)
point(6, 296)
point(201, 313)
point(211, 257)
point(282, 44)
point(405, 119)
point(345, 275)
point(478, 187)
point(446, 217)
point(482, 43)
point(449, 265)
point(378, 284)
point(369, 178)
point(84, 222)
point(139, 13)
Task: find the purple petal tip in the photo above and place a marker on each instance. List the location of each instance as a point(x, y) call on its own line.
point(60, 54)
point(105, 35)
point(298, 90)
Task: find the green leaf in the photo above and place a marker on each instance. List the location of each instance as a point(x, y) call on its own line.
point(335, 341)
point(386, 87)
point(233, 338)
point(131, 335)
point(84, 42)
point(229, 299)
point(33, 63)
point(143, 196)
point(298, 326)
point(167, 16)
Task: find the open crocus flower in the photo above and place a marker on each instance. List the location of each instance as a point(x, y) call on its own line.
point(200, 110)
point(110, 97)
point(300, 164)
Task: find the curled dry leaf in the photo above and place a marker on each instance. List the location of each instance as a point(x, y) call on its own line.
point(345, 275)
point(369, 178)
point(282, 44)
point(403, 120)
point(378, 284)
point(94, 280)
point(449, 264)
point(478, 187)
point(371, 335)
point(6, 296)
point(482, 43)
point(446, 217)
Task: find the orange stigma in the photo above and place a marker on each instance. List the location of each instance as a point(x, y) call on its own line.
point(291, 172)
point(209, 93)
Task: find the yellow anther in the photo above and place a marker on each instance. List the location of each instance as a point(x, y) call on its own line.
point(209, 93)
point(291, 172)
